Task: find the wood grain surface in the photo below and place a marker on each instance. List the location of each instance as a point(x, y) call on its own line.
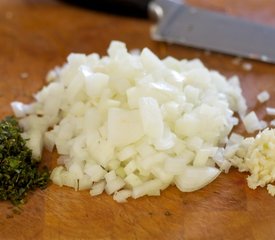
point(35, 36)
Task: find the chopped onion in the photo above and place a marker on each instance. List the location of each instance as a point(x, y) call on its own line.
point(97, 188)
point(247, 66)
point(272, 123)
point(194, 178)
point(271, 189)
point(122, 195)
point(263, 96)
point(270, 111)
point(133, 124)
point(251, 122)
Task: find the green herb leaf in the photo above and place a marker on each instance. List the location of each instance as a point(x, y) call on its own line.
point(18, 170)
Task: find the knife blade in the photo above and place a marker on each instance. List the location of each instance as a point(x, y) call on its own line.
point(204, 29)
point(182, 24)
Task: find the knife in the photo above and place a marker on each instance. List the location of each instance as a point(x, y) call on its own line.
point(180, 23)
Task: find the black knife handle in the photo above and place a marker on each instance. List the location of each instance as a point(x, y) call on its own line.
point(134, 8)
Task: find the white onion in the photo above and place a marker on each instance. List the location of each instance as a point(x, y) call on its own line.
point(133, 124)
point(122, 195)
point(270, 111)
point(272, 123)
point(263, 96)
point(123, 121)
point(251, 122)
point(247, 66)
point(97, 188)
point(147, 188)
point(271, 189)
point(19, 109)
point(194, 178)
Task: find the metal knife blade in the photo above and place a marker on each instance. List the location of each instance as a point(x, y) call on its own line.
point(194, 27)
point(182, 24)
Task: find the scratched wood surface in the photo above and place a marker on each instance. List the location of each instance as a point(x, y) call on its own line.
point(37, 35)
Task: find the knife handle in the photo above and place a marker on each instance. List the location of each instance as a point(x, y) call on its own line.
point(134, 8)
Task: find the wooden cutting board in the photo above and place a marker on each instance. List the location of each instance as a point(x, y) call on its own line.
point(37, 35)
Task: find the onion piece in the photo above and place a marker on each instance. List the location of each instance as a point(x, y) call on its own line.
point(146, 188)
point(251, 122)
point(270, 111)
point(122, 195)
point(195, 178)
point(97, 188)
point(263, 96)
point(122, 121)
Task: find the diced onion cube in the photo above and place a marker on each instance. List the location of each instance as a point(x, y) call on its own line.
point(251, 122)
point(263, 96)
point(270, 111)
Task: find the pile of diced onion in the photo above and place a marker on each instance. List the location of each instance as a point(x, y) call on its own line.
point(132, 124)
